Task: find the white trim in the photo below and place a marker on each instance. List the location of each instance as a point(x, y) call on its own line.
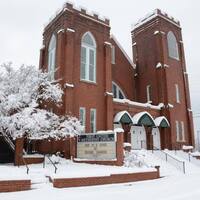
point(61, 31)
point(138, 116)
point(69, 85)
point(108, 43)
point(158, 120)
point(70, 30)
point(119, 115)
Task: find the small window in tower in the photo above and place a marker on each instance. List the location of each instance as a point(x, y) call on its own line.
point(177, 93)
point(113, 54)
point(52, 57)
point(88, 58)
point(172, 46)
point(177, 131)
point(182, 131)
point(149, 98)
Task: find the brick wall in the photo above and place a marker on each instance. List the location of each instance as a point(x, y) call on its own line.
point(113, 178)
point(14, 185)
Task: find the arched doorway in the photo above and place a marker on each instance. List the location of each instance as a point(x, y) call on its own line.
point(159, 140)
point(156, 138)
point(123, 120)
point(140, 136)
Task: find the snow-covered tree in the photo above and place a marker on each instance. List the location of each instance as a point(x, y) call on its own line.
point(22, 92)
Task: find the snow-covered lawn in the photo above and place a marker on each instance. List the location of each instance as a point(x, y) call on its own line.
point(66, 169)
point(179, 187)
point(173, 186)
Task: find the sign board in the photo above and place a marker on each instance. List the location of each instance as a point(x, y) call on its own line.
point(99, 146)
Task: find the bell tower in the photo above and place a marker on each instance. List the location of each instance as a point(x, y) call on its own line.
point(161, 75)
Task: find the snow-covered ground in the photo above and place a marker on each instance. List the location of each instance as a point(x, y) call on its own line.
point(173, 186)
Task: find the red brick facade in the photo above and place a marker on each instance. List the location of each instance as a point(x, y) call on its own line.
point(149, 49)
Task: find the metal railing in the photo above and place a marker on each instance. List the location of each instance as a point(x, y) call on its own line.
point(25, 164)
point(167, 156)
point(48, 157)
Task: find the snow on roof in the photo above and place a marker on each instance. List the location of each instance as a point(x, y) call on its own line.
point(118, 130)
point(123, 51)
point(105, 131)
point(158, 120)
point(119, 115)
point(70, 6)
point(138, 116)
point(126, 144)
point(185, 147)
point(144, 105)
point(155, 13)
point(158, 65)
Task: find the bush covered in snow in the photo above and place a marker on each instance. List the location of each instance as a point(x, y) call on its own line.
point(22, 92)
point(133, 159)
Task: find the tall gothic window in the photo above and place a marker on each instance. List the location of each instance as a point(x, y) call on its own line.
point(172, 46)
point(52, 57)
point(88, 58)
point(117, 91)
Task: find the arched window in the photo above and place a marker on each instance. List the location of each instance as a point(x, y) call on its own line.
point(52, 57)
point(117, 91)
point(172, 46)
point(88, 58)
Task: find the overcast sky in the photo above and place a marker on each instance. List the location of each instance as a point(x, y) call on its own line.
point(22, 22)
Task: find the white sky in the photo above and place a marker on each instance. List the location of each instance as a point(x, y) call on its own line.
point(21, 27)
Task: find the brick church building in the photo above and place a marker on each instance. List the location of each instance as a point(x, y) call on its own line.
point(148, 96)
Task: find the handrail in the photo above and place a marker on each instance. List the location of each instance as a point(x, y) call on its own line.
point(50, 161)
point(168, 155)
point(24, 161)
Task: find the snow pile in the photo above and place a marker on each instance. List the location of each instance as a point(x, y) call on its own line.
point(134, 159)
point(185, 147)
point(126, 144)
point(196, 153)
point(23, 94)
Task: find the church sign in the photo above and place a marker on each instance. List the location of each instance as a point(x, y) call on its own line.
point(99, 146)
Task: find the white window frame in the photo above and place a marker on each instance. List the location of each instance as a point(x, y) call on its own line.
point(172, 44)
point(52, 57)
point(93, 123)
point(183, 131)
point(113, 54)
point(87, 59)
point(82, 118)
point(177, 131)
point(118, 89)
point(180, 131)
point(148, 89)
point(177, 93)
